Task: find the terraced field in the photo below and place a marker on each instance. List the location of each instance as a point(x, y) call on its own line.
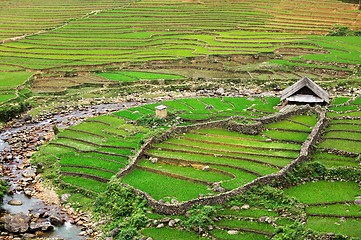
point(216, 160)
point(344, 132)
point(209, 161)
point(9, 81)
point(20, 18)
point(331, 207)
point(246, 224)
point(201, 109)
point(91, 153)
point(148, 30)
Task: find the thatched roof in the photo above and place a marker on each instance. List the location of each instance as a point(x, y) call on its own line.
point(291, 94)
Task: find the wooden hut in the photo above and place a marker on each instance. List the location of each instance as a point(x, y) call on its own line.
point(305, 91)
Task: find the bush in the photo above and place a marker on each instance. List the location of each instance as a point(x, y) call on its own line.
point(8, 112)
point(200, 217)
point(309, 170)
point(3, 189)
point(55, 129)
point(152, 121)
point(123, 208)
point(271, 198)
point(295, 231)
point(343, 31)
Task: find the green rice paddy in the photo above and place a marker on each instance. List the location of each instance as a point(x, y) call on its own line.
point(331, 206)
point(201, 158)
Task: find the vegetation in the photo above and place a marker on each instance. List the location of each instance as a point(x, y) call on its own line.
point(200, 217)
point(3, 189)
point(328, 200)
point(108, 51)
point(125, 211)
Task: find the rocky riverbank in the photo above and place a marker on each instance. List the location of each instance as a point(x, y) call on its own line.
point(49, 212)
point(43, 212)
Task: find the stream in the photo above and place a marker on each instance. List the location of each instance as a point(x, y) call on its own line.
point(16, 146)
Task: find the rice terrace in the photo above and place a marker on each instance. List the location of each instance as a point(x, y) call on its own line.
point(187, 119)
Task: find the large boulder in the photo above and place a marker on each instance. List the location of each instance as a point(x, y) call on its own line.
point(17, 223)
point(41, 226)
point(56, 220)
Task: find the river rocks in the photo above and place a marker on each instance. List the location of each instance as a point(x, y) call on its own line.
point(17, 223)
point(56, 220)
point(15, 202)
point(28, 173)
point(41, 226)
point(64, 197)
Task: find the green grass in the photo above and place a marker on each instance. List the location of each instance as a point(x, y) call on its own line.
point(350, 227)
point(343, 108)
point(190, 172)
point(323, 192)
point(84, 183)
point(256, 167)
point(6, 97)
point(127, 76)
point(309, 120)
point(343, 127)
point(336, 209)
point(286, 135)
point(339, 100)
point(345, 145)
point(221, 234)
point(13, 79)
point(287, 125)
point(94, 172)
point(264, 227)
point(169, 233)
point(331, 160)
point(252, 213)
point(356, 101)
point(160, 186)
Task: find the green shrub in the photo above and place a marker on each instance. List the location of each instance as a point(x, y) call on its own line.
point(8, 112)
point(200, 217)
point(3, 189)
point(343, 31)
point(152, 121)
point(308, 170)
point(123, 208)
point(269, 197)
point(295, 231)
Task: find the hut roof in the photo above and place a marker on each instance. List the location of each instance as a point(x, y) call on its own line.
point(161, 107)
point(321, 94)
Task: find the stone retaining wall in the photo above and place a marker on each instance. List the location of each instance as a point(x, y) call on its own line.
point(181, 208)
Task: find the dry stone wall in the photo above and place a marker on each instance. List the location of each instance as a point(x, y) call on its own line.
point(181, 208)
